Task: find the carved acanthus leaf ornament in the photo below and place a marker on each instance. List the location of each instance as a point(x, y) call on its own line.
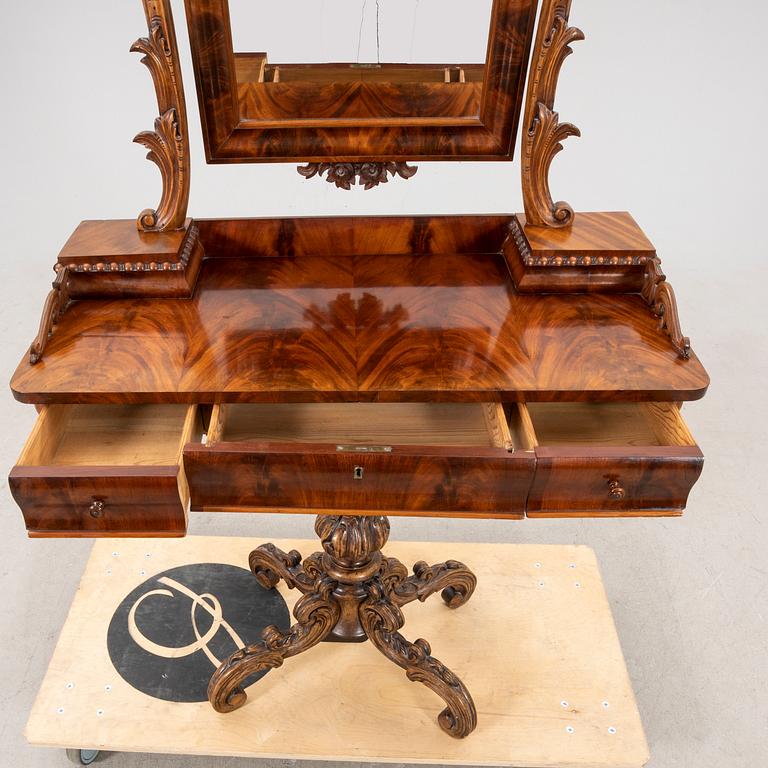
point(168, 144)
point(368, 175)
point(543, 132)
point(661, 297)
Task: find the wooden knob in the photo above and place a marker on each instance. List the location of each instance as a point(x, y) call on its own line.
point(97, 508)
point(615, 491)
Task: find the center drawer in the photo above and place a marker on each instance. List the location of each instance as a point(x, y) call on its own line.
point(395, 458)
point(105, 470)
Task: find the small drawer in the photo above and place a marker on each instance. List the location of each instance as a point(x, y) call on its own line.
point(394, 458)
point(610, 460)
point(106, 470)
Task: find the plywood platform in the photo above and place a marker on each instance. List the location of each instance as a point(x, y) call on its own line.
point(536, 646)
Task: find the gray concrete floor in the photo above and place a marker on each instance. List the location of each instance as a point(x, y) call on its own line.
point(688, 595)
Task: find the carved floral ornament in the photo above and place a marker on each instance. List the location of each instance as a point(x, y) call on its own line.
point(367, 175)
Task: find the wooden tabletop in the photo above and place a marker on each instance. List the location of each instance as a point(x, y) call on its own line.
point(429, 327)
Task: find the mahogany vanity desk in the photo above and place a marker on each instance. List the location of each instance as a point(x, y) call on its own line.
point(454, 366)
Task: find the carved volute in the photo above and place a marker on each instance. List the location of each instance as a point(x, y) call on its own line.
point(543, 133)
point(168, 143)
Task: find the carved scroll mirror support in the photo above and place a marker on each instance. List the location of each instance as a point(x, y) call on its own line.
point(543, 133)
point(168, 143)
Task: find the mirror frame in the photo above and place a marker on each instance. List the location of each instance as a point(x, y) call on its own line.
point(230, 138)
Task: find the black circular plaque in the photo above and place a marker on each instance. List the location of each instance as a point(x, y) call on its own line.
point(168, 636)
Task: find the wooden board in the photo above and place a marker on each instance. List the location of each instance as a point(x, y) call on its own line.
point(536, 646)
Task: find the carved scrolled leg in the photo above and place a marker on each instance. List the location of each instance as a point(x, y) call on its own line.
point(270, 564)
point(382, 619)
point(392, 573)
point(452, 579)
point(316, 615)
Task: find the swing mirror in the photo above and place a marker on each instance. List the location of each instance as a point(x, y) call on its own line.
point(357, 80)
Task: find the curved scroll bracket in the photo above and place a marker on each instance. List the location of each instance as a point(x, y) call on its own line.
point(382, 619)
point(316, 614)
point(168, 144)
point(661, 298)
point(544, 133)
point(367, 175)
point(56, 304)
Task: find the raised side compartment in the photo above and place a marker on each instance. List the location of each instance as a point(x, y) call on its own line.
point(105, 470)
point(610, 460)
point(395, 458)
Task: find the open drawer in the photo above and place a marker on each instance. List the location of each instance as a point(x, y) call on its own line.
point(617, 459)
point(106, 470)
point(395, 458)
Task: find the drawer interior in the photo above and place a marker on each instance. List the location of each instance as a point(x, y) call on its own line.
point(606, 424)
point(440, 424)
point(110, 435)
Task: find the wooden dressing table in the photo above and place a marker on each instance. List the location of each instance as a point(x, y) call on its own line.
point(356, 368)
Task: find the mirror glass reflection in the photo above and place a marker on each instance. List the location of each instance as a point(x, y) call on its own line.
point(360, 59)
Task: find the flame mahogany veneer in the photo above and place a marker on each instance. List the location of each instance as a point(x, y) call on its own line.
point(476, 366)
point(431, 325)
point(378, 310)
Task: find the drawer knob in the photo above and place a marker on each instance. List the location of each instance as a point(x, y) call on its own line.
point(615, 491)
point(97, 508)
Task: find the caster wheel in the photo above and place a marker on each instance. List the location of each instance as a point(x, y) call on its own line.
point(82, 756)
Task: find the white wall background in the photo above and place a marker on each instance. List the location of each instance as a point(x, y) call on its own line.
point(671, 98)
point(316, 31)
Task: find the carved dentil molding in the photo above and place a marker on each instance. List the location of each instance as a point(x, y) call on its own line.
point(368, 175)
point(168, 143)
point(543, 132)
point(191, 240)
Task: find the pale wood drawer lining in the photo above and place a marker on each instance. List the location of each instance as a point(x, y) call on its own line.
point(440, 424)
point(110, 435)
point(605, 424)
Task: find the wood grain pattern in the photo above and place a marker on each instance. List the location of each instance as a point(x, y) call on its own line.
point(611, 460)
point(113, 259)
point(577, 482)
point(353, 236)
point(437, 327)
point(352, 593)
point(412, 479)
point(450, 424)
point(598, 252)
point(168, 143)
point(254, 67)
point(305, 103)
point(543, 131)
point(231, 136)
point(105, 471)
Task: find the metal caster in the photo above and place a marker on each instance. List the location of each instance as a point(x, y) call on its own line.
point(82, 756)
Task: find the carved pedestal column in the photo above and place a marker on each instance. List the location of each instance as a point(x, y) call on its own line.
point(352, 593)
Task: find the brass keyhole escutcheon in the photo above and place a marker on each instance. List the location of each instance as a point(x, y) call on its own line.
point(358, 473)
